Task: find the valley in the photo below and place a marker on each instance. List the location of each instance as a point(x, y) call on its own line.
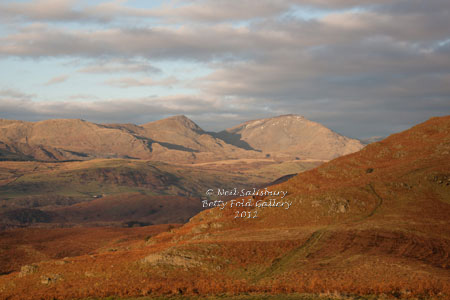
point(114, 191)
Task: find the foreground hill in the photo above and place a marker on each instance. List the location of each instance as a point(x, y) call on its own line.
point(291, 136)
point(176, 140)
point(372, 222)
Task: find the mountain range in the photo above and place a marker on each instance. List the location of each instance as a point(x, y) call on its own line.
point(175, 139)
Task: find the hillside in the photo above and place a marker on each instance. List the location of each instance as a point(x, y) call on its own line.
point(25, 246)
point(291, 136)
point(372, 222)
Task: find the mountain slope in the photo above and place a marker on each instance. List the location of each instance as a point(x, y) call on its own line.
point(292, 136)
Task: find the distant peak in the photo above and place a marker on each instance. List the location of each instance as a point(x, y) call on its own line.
point(178, 120)
point(180, 117)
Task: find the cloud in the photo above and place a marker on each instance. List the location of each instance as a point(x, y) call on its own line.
point(57, 80)
point(127, 82)
point(211, 11)
point(124, 110)
point(49, 10)
point(202, 43)
point(55, 11)
point(13, 94)
point(170, 11)
point(119, 66)
point(206, 11)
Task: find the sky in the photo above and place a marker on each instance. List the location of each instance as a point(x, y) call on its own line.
point(362, 68)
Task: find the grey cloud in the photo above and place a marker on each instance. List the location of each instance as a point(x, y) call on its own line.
point(212, 113)
point(404, 7)
point(13, 94)
point(118, 65)
point(339, 4)
point(120, 109)
point(173, 11)
point(221, 10)
point(198, 43)
point(216, 42)
point(63, 11)
point(48, 10)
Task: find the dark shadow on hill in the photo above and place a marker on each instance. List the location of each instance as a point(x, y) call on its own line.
point(166, 145)
point(176, 147)
point(233, 139)
point(282, 179)
point(10, 153)
point(75, 153)
point(7, 155)
point(26, 216)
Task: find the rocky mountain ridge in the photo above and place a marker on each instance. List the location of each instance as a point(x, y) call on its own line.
point(292, 136)
point(174, 139)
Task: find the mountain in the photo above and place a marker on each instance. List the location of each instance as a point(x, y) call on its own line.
point(178, 138)
point(372, 223)
point(69, 139)
point(175, 139)
point(179, 130)
point(291, 136)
